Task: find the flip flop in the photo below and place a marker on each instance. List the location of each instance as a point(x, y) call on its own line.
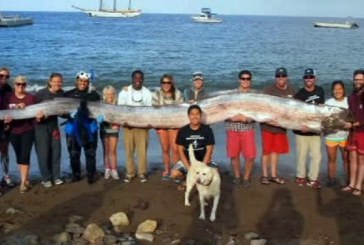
point(277, 180)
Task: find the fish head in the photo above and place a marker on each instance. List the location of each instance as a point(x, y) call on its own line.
point(337, 120)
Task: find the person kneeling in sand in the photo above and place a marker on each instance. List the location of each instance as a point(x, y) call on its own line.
point(202, 139)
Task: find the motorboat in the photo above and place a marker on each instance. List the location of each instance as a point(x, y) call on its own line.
point(14, 21)
point(206, 16)
point(346, 25)
point(111, 13)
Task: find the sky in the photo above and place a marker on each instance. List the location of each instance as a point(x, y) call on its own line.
point(329, 8)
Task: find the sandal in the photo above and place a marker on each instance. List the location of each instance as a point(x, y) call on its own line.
point(278, 180)
point(165, 176)
point(348, 189)
point(357, 192)
point(181, 187)
point(264, 180)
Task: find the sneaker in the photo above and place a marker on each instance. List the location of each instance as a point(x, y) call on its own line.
point(47, 184)
point(76, 177)
point(128, 179)
point(91, 179)
point(23, 189)
point(143, 178)
point(114, 174)
point(315, 184)
point(7, 181)
point(107, 173)
point(58, 182)
point(300, 181)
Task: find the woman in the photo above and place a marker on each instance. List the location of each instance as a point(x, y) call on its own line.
point(81, 130)
point(337, 140)
point(47, 135)
point(21, 131)
point(167, 95)
point(109, 134)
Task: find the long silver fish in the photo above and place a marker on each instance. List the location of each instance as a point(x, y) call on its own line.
point(287, 113)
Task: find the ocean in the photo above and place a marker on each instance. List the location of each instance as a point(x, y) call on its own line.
point(163, 43)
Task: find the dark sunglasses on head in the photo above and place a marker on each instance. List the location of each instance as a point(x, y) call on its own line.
point(278, 76)
point(21, 84)
point(309, 77)
point(245, 78)
point(4, 76)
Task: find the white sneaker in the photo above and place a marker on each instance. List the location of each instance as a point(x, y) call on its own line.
point(114, 174)
point(47, 184)
point(8, 181)
point(58, 182)
point(107, 173)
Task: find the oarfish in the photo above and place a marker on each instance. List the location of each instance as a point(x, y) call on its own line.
point(283, 112)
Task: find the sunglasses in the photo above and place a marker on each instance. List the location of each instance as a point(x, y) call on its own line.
point(21, 84)
point(4, 76)
point(309, 77)
point(278, 76)
point(166, 82)
point(245, 78)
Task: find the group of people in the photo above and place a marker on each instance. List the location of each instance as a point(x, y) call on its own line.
point(82, 132)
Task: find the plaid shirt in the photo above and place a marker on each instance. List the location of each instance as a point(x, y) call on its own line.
point(238, 126)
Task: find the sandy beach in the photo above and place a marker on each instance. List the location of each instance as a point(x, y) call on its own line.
point(282, 214)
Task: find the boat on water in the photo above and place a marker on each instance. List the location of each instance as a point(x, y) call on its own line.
point(14, 21)
point(206, 17)
point(346, 25)
point(111, 13)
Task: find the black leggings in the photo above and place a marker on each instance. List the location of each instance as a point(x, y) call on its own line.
point(22, 144)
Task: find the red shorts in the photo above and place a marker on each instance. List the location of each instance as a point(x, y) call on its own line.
point(356, 142)
point(241, 142)
point(274, 143)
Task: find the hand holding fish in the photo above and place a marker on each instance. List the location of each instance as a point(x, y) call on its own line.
point(40, 116)
point(7, 119)
point(240, 118)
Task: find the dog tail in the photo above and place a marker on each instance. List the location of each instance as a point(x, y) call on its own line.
point(191, 153)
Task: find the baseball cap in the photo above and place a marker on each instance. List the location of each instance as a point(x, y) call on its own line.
point(309, 72)
point(197, 75)
point(281, 72)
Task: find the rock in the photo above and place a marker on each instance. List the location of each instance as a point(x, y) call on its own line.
point(93, 233)
point(127, 243)
point(75, 218)
point(176, 242)
point(7, 227)
point(148, 226)
point(75, 229)
point(119, 219)
point(110, 239)
point(144, 236)
point(62, 238)
point(80, 241)
point(13, 211)
point(258, 242)
point(31, 240)
point(251, 235)
point(191, 242)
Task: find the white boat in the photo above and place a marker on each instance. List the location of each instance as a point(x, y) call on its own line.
point(206, 17)
point(14, 21)
point(346, 25)
point(111, 13)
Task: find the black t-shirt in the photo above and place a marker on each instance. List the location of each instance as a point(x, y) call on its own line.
point(316, 97)
point(199, 138)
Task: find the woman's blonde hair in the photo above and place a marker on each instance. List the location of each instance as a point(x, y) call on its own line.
point(20, 79)
point(109, 88)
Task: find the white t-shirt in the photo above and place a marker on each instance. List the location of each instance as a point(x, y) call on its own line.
point(340, 135)
point(132, 97)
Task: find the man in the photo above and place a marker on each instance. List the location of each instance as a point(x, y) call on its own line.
point(356, 136)
point(274, 138)
point(309, 143)
point(5, 88)
point(241, 137)
point(197, 91)
point(81, 131)
point(136, 139)
point(200, 136)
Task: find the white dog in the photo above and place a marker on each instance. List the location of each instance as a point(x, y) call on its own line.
point(207, 180)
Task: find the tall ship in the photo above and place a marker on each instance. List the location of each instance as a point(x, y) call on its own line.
point(111, 13)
